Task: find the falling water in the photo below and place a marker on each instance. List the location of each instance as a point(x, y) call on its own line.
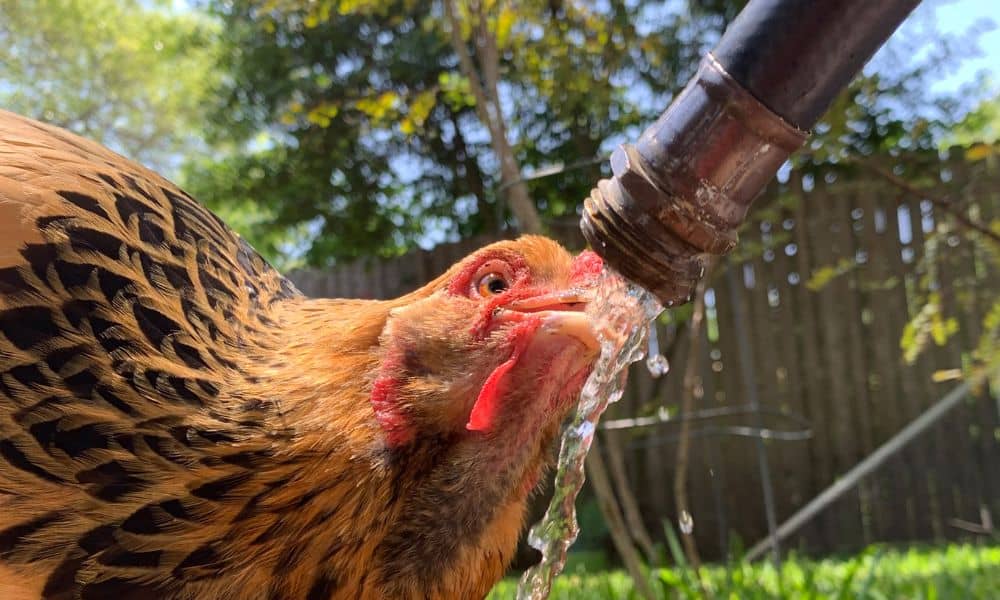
point(621, 312)
point(655, 362)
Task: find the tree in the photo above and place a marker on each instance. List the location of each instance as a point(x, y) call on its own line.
point(483, 77)
point(332, 106)
point(377, 138)
point(960, 221)
point(889, 125)
point(132, 75)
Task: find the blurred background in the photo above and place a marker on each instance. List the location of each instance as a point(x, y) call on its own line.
point(364, 145)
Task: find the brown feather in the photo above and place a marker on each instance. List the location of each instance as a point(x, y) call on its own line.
point(178, 421)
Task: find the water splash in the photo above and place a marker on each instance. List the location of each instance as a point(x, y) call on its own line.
point(621, 311)
point(656, 363)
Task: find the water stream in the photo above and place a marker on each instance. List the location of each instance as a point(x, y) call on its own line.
point(622, 312)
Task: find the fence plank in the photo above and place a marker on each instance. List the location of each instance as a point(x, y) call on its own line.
point(883, 307)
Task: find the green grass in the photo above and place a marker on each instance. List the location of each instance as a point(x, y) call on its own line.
point(878, 573)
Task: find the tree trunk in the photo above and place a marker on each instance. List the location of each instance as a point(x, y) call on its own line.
point(484, 83)
point(689, 395)
point(597, 475)
point(516, 191)
point(630, 507)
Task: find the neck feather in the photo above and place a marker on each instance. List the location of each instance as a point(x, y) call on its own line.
point(339, 492)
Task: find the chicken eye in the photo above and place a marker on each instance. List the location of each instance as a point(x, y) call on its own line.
point(492, 284)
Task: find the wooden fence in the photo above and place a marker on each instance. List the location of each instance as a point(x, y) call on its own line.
point(829, 353)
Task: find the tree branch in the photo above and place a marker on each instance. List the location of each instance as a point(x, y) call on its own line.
point(943, 203)
point(467, 67)
point(689, 395)
point(630, 507)
point(489, 63)
point(488, 109)
point(597, 475)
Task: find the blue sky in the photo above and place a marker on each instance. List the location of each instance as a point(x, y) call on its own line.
point(956, 17)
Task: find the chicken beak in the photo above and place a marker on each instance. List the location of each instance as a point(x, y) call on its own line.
point(569, 300)
point(563, 314)
point(573, 324)
point(552, 324)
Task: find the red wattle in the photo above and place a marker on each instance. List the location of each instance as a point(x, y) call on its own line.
point(487, 406)
point(484, 411)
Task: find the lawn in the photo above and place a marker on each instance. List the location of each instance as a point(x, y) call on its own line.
point(878, 573)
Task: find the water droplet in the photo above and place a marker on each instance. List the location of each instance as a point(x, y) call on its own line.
point(685, 522)
point(656, 362)
point(658, 365)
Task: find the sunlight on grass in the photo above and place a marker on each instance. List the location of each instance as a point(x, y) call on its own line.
point(878, 573)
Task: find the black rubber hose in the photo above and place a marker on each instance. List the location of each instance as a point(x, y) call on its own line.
point(795, 56)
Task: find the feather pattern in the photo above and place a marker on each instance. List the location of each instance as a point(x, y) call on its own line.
point(177, 421)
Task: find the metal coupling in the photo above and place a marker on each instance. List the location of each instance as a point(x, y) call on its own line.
point(680, 193)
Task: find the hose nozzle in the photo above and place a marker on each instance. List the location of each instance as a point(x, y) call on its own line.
point(680, 193)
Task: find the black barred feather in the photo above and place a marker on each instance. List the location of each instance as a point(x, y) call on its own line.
point(178, 422)
point(124, 305)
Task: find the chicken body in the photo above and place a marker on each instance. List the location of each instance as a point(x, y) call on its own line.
point(177, 421)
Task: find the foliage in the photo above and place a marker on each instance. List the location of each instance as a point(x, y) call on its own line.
point(372, 142)
point(593, 528)
point(979, 131)
point(948, 247)
point(955, 571)
point(893, 107)
point(322, 147)
point(366, 129)
point(890, 118)
point(133, 75)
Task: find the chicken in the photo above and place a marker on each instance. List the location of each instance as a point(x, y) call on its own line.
point(177, 421)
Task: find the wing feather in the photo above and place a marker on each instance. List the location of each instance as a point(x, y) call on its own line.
point(124, 306)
